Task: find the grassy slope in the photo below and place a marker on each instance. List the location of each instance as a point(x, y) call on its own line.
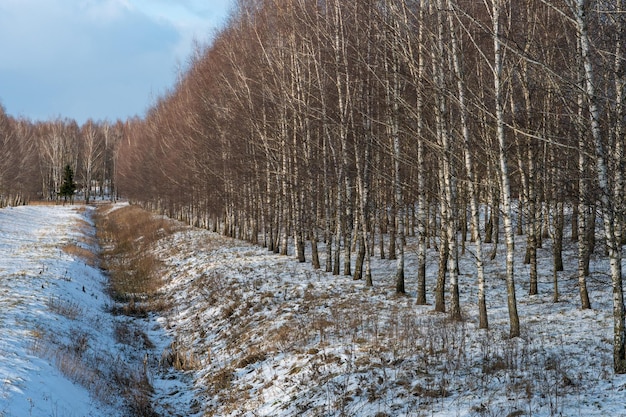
point(261, 334)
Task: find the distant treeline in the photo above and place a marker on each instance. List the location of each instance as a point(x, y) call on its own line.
point(35, 154)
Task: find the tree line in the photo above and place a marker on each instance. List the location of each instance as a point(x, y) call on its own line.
point(35, 156)
point(356, 124)
point(332, 131)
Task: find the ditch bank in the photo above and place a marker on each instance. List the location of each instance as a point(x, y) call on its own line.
point(126, 235)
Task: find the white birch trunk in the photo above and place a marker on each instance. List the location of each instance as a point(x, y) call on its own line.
point(608, 206)
point(504, 174)
point(471, 179)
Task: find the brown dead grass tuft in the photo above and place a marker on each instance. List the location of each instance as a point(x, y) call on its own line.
point(220, 380)
point(42, 203)
point(127, 333)
point(65, 308)
point(86, 255)
point(132, 225)
point(180, 357)
point(254, 355)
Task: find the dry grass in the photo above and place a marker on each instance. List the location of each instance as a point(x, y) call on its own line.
point(254, 355)
point(73, 361)
point(129, 334)
point(101, 373)
point(80, 204)
point(180, 357)
point(86, 255)
point(421, 356)
point(82, 225)
point(43, 203)
point(132, 225)
point(220, 381)
point(126, 236)
point(65, 308)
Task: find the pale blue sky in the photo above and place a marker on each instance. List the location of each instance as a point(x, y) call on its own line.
point(100, 59)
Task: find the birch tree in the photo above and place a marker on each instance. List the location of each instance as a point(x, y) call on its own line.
point(92, 150)
point(608, 197)
point(469, 166)
point(497, 7)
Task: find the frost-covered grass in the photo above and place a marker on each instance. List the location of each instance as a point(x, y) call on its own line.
point(243, 331)
point(275, 337)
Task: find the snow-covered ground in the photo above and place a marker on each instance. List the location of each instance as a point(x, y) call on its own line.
point(265, 335)
point(62, 354)
point(49, 299)
point(277, 338)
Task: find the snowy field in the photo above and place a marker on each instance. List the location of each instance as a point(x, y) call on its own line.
point(42, 308)
point(263, 335)
point(60, 350)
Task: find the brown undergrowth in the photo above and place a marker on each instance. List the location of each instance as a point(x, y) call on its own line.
point(86, 255)
point(125, 236)
point(82, 246)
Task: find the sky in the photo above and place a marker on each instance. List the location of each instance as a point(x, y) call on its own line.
point(97, 59)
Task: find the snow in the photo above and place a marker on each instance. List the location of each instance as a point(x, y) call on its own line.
point(35, 273)
point(58, 346)
point(267, 336)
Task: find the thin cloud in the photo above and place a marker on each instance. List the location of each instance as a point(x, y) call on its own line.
point(91, 58)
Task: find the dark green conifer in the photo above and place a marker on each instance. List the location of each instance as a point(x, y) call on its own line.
point(68, 187)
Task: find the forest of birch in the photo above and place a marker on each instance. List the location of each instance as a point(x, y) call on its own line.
point(335, 131)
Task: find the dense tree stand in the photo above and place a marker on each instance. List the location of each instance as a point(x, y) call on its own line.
point(338, 131)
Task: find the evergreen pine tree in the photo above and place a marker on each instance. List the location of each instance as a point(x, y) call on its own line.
point(68, 187)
